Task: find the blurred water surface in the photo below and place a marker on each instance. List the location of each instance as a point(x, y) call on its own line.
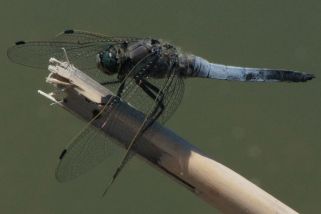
point(270, 133)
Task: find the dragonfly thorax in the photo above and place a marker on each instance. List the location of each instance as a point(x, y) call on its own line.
point(151, 57)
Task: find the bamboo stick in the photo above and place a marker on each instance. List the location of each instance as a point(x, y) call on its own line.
point(163, 149)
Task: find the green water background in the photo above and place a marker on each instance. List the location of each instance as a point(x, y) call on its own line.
point(269, 133)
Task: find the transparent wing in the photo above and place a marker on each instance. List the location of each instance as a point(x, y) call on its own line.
point(174, 93)
point(87, 150)
point(80, 37)
point(37, 54)
point(81, 47)
point(172, 87)
point(169, 90)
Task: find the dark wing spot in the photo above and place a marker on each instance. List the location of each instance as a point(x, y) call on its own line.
point(69, 31)
point(20, 42)
point(62, 154)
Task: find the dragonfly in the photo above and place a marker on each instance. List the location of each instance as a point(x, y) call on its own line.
point(148, 73)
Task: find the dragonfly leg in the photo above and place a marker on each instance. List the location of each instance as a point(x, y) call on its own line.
point(157, 95)
point(121, 89)
point(154, 93)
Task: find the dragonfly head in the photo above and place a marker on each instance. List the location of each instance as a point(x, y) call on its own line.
point(107, 61)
